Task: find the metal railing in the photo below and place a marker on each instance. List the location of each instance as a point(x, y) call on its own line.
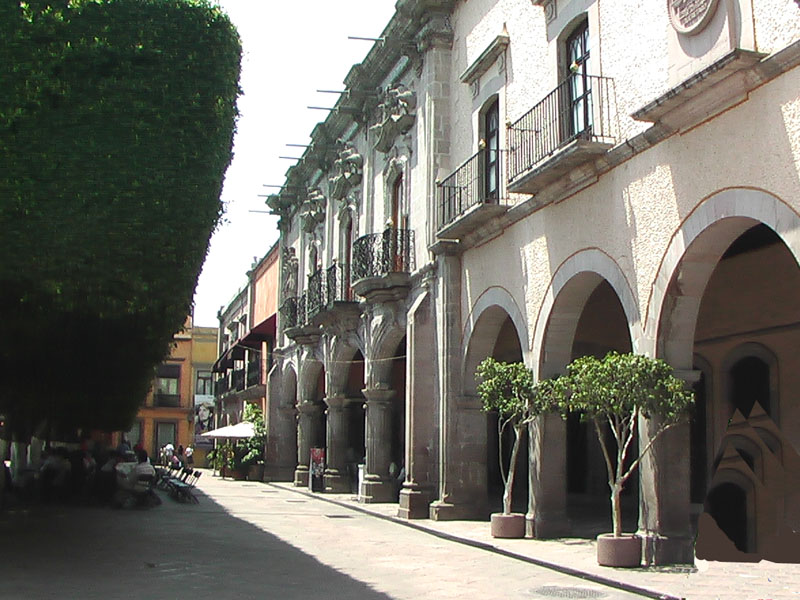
point(379, 254)
point(237, 380)
point(582, 106)
point(337, 284)
point(315, 293)
point(253, 373)
point(477, 181)
point(288, 312)
point(222, 386)
point(166, 400)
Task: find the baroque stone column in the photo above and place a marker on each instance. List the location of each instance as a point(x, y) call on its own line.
point(378, 485)
point(308, 432)
point(335, 478)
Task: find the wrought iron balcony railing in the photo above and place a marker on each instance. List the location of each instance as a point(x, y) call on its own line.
point(380, 254)
point(477, 181)
point(581, 107)
point(166, 400)
point(222, 385)
point(237, 380)
point(302, 309)
point(253, 373)
point(288, 312)
point(315, 294)
point(337, 285)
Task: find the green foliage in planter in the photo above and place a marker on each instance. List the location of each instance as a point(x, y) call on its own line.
point(251, 450)
point(116, 127)
point(508, 388)
point(612, 393)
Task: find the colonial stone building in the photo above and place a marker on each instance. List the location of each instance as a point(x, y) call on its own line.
point(538, 180)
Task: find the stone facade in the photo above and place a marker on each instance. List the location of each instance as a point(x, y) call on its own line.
point(537, 180)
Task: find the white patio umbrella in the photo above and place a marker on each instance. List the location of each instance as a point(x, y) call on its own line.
point(232, 432)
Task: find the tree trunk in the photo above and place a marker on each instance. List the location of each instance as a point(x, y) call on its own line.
point(616, 510)
point(512, 467)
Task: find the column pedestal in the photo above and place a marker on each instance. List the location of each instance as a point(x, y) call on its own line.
point(415, 501)
point(378, 485)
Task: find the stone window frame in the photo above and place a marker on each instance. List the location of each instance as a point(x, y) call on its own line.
point(396, 168)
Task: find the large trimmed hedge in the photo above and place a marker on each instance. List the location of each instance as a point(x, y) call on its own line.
point(116, 126)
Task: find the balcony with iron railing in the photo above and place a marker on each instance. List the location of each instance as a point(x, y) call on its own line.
point(471, 195)
point(222, 386)
point(564, 133)
point(297, 322)
point(382, 263)
point(166, 400)
point(253, 377)
point(237, 380)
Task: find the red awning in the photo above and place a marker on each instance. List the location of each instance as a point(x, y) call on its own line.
point(225, 361)
point(260, 333)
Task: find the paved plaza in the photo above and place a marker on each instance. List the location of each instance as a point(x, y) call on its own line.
point(255, 540)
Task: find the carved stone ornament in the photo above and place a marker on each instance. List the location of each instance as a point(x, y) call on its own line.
point(289, 273)
point(312, 210)
point(396, 116)
point(690, 16)
point(348, 169)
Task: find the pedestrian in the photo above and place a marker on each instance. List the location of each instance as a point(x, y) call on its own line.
point(189, 456)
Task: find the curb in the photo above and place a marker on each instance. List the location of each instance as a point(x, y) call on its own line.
point(625, 587)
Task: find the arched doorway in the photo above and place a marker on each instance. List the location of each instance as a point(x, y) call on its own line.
point(602, 327)
point(727, 504)
point(495, 333)
point(730, 297)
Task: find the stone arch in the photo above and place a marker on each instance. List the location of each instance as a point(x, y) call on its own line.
point(339, 358)
point(307, 382)
point(482, 327)
point(694, 251)
point(385, 336)
point(572, 284)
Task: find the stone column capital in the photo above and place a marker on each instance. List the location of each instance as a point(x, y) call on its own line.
point(336, 402)
point(378, 395)
point(308, 408)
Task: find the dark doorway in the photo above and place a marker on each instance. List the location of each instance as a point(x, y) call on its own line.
point(727, 504)
point(750, 384)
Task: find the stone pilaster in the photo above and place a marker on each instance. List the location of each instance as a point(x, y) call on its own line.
point(281, 422)
point(308, 432)
point(664, 480)
point(335, 478)
point(421, 427)
point(547, 478)
point(378, 485)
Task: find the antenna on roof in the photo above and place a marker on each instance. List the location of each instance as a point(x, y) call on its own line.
point(366, 39)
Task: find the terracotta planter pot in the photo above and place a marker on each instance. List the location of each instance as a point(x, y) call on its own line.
point(508, 526)
point(624, 551)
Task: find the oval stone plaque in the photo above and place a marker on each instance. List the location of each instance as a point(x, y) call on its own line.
point(690, 16)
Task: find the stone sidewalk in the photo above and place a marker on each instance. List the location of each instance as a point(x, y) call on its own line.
point(708, 580)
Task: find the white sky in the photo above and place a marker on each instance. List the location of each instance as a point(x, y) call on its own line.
point(291, 48)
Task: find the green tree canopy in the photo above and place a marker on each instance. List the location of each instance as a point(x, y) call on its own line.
point(116, 127)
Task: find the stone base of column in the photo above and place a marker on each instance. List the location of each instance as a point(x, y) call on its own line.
point(414, 502)
point(446, 511)
point(374, 491)
point(662, 550)
point(546, 527)
point(301, 476)
point(277, 473)
point(335, 482)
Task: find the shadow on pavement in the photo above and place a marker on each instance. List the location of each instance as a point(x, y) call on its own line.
point(171, 551)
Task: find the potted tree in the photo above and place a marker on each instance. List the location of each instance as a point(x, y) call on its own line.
point(508, 388)
point(612, 393)
point(252, 449)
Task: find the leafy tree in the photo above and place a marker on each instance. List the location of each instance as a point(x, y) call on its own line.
point(508, 388)
point(116, 127)
point(612, 393)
